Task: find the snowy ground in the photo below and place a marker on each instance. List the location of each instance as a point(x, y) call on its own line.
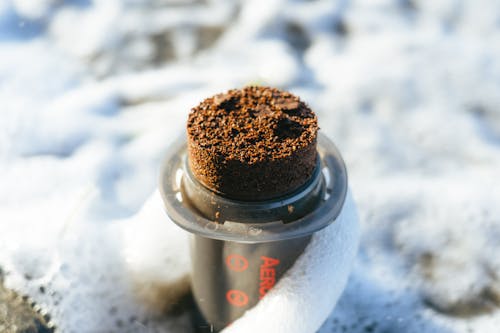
point(93, 92)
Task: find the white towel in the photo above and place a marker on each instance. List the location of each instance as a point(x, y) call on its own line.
point(300, 302)
point(305, 296)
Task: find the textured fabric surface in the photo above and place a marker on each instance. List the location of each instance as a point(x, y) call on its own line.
point(303, 299)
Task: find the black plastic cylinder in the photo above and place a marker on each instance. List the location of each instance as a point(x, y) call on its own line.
point(230, 278)
point(240, 250)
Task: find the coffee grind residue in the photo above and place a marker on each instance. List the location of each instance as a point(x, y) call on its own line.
point(254, 143)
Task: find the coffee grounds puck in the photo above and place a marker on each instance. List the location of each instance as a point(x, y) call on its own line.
point(252, 144)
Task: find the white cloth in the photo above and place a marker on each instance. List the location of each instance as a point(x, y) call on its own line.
point(302, 300)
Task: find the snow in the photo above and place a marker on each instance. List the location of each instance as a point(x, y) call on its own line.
point(93, 92)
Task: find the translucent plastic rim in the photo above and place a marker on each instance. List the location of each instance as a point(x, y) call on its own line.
point(333, 175)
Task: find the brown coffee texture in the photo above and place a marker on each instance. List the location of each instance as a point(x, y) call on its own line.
point(254, 143)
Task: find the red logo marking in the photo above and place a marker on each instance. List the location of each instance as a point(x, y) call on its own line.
point(237, 298)
point(267, 275)
point(236, 263)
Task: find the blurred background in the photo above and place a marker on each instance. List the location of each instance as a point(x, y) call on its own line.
point(93, 92)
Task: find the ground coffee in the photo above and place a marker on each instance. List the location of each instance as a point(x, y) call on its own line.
point(255, 143)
